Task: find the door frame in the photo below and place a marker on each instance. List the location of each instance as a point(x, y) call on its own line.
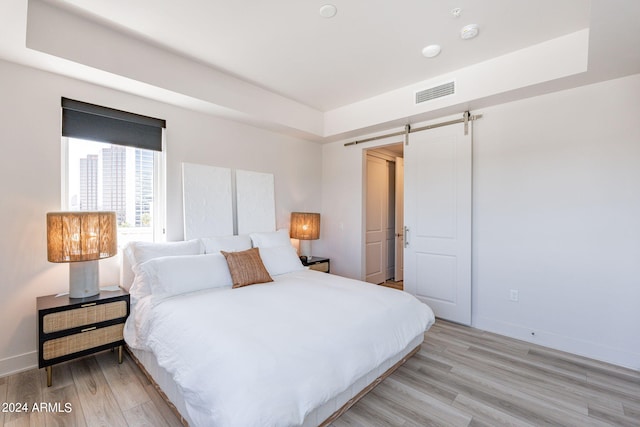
point(399, 221)
point(383, 152)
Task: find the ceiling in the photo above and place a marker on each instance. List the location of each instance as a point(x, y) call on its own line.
point(281, 66)
point(368, 48)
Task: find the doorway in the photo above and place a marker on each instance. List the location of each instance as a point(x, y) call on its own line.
point(384, 213)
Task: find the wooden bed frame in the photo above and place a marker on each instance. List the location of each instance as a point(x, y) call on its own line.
point(325, 423)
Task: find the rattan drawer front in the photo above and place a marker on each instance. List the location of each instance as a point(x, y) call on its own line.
point(73, 343)
point(322, 266)
point(64, 320)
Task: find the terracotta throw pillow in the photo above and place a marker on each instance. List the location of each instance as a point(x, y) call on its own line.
point(246, 268)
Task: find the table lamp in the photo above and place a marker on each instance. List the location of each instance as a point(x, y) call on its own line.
point(305, 226)
point(81, 239)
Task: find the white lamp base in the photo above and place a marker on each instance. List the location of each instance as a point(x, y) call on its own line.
point(83, 279)
point(305, 248)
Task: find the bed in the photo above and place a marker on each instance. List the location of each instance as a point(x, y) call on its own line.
point(295, 347)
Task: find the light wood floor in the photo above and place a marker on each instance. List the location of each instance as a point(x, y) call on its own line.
point(460, 377)
point(392, 284)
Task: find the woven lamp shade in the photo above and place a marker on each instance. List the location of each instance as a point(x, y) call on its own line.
point(305, 226)
point(81, 236)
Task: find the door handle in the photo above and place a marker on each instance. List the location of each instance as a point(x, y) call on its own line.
point(406, 237)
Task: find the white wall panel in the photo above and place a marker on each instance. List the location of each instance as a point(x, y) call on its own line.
point(207, 200)
point(255, 202)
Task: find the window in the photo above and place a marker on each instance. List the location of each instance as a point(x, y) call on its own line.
point(114, 170)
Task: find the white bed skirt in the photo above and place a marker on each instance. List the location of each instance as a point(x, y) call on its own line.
point(315, 418)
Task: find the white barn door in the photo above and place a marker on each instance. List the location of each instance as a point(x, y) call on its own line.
point(437, 258)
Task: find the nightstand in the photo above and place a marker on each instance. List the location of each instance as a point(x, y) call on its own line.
point(73, 327)
point(317, 263)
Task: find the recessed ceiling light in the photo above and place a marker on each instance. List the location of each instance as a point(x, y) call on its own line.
point(328, 11)
point(469, 31)
point(431, 50)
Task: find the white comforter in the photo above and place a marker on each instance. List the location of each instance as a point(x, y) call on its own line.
point(268, 354)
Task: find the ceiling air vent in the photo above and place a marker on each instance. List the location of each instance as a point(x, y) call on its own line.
point(436, 92)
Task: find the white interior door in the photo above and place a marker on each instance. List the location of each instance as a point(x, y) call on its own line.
point(399, 222)
point(437, 258)
point(376, 219)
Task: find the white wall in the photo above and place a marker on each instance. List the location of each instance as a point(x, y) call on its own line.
point(30, 184)
point(556, 216)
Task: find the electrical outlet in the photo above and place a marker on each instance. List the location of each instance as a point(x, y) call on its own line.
point(513, 295)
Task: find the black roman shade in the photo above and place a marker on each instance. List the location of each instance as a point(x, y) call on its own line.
point(96, 123)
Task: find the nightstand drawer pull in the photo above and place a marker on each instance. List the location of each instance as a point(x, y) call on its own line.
point(91, 304)
point(94, 313)
point(88, 329)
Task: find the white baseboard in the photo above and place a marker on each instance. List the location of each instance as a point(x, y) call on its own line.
point(572, 345)
point(19, 363)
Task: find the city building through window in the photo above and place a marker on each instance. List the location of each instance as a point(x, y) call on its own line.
point(109, 177)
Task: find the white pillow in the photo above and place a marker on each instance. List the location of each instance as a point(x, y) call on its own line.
point(213, 245)
point(270, 239)
point(175, 275)
point(144, 251)
point(138, 252)
point(280, 259)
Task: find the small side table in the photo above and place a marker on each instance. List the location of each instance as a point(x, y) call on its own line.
point(317, 263)
point(73, 327)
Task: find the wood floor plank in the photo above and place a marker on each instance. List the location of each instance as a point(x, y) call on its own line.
point(411, 401)
point(68, 412)
point(593, 366)
point(485, 415)
point(20, 422)
point(167, 413)
point(631, 412)
point(145, 415)
point(96, 397)
point(123, 382)
point(607, 415)
point(24, 388)
point(523, 362)
point(438, 343)
point(354, 417)
point(480, 339)
point(371, 412)
point(618, 383)
point(434, 390)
